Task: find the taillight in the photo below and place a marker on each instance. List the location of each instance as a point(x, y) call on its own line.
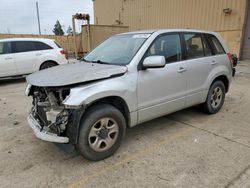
point(230, 57)
point(64, 53)
point(233, 59)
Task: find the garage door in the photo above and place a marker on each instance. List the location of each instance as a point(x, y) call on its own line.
point(246, 40)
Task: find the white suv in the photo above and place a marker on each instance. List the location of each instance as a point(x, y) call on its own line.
point(27, 55)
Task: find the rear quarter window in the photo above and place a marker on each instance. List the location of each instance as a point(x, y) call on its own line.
point(215, 44)
point(57, 44)
point(42, 46)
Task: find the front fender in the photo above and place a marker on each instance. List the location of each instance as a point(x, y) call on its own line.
point(119, 87)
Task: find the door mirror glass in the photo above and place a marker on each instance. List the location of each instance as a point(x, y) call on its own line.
point(154, 62)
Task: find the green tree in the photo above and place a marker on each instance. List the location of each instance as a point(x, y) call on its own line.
point(58, 29)
point(69, 31)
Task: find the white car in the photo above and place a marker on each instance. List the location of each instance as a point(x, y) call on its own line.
point(21, 56)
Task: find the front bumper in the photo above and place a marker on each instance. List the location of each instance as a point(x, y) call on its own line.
point(44, 135)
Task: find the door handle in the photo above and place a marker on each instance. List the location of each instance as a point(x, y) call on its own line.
point(181, 70)
point(38, 54)
point(8, 58)
point(213, 63)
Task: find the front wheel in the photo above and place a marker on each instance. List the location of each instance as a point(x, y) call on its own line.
point(215, 98)
point(102, 130)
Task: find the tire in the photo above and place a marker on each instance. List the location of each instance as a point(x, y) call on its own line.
point(102, 130)
point(47, 65)
point(215, 98)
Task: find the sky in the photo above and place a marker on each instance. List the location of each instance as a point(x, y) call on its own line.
point(20, 17)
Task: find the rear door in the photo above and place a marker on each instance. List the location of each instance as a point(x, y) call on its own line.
point(199, 62)
point(7, 60)
point(27, 55)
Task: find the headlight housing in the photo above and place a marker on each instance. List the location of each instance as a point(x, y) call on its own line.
point(27, 90)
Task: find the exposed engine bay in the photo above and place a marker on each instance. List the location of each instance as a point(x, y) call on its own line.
point(48, 109)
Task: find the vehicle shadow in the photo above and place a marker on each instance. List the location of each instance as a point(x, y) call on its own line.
point(10, 81)
point(148, 129)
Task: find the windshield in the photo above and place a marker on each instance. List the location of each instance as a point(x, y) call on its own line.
point(117, 50)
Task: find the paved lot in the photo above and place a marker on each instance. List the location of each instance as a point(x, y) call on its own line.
point(184, 149)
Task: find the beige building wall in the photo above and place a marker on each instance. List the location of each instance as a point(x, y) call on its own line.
point(195, 14)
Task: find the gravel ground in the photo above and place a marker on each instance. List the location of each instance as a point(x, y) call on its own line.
point(184, 149)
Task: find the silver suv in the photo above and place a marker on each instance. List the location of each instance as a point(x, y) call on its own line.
point(129, 79)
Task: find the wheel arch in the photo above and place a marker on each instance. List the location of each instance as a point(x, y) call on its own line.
point(224, 79)
point(116, 101)
point(48, 61)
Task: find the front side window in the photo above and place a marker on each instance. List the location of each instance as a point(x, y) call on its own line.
point(168, 46)
point(117, 50)
point(5, 48)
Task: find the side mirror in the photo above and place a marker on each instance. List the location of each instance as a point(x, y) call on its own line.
point(154, 62)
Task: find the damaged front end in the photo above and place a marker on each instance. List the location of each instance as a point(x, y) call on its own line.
point(48, 117)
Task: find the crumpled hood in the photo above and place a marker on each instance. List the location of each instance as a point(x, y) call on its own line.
point(68, 74)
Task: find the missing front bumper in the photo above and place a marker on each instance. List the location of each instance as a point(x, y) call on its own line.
point(44, 135)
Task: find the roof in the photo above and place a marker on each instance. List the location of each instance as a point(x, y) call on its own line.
point(25, 39)
point(168, 30)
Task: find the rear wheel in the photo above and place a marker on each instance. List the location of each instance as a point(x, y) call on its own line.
point(102, 130)
point(215, 98)
point(47, 65)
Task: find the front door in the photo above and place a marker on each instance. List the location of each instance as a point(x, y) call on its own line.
point(162, 90)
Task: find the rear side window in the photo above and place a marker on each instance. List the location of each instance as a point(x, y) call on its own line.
point(5, 48)
point(24, 46)
point(168, 46)
point(195, 46)
point(215, 44)
point(29, 46)
point(207, 49)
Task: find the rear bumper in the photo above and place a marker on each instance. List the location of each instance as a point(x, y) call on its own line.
point(44, 135)
point(64, 62)
point(234, 70)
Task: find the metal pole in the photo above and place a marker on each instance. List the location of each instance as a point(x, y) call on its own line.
point(74, 33)
point(38, 19)
point(89, 39)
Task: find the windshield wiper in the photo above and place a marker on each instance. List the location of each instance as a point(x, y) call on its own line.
point(82, 59)
point(100, 62)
